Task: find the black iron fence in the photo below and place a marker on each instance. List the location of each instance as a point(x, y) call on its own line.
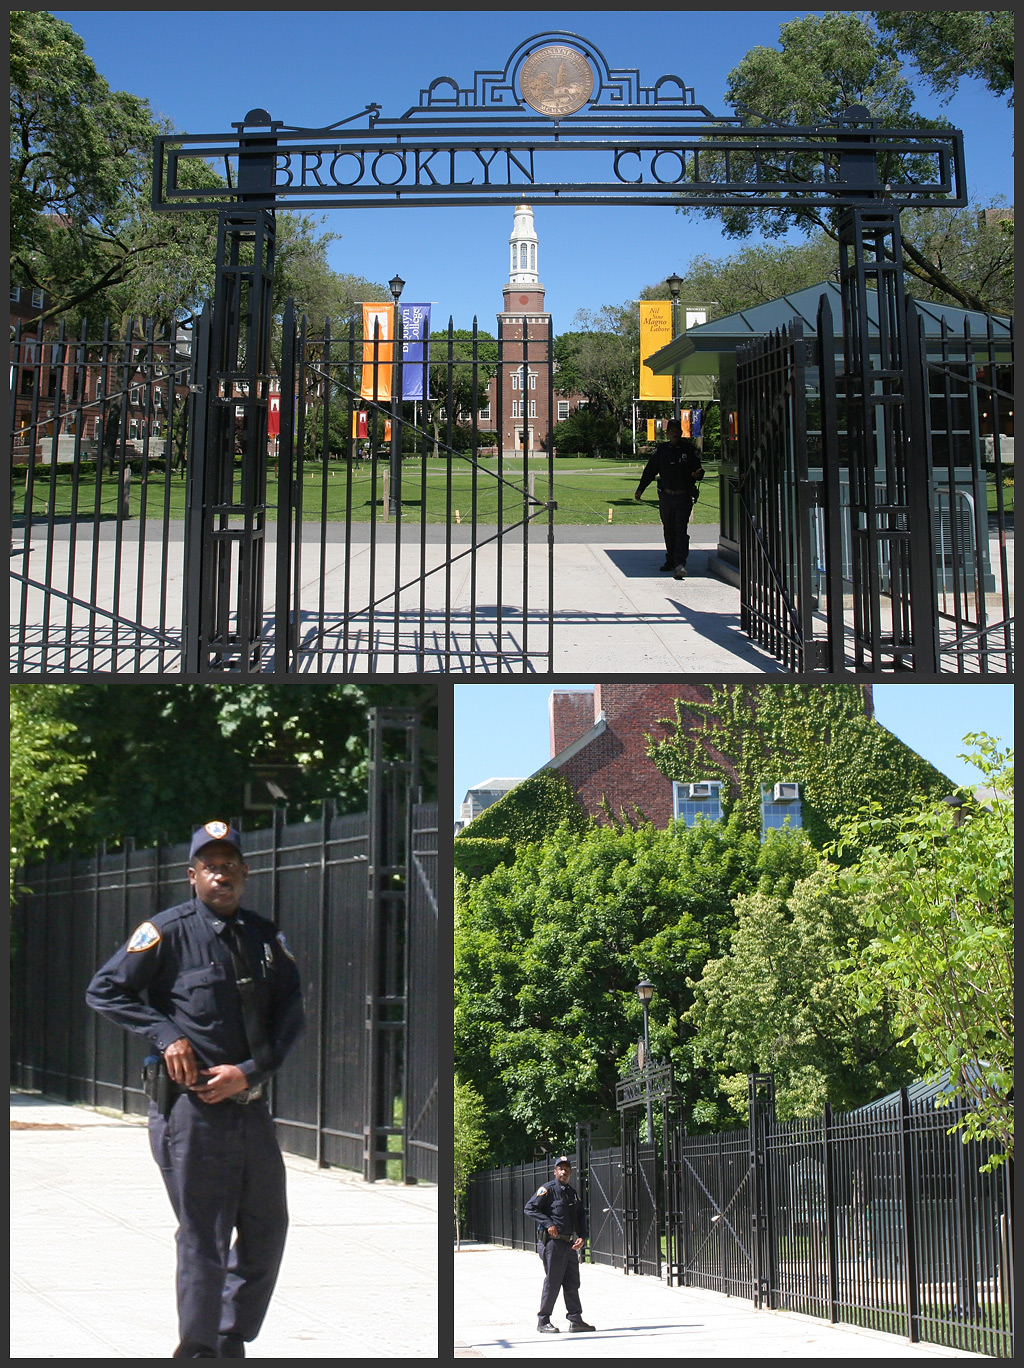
point(894, 554)
point(359, 1090)
point(99, 432)
point(880, 1218)
point(393, 516)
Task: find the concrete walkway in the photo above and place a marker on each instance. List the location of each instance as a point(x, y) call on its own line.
point(497, 1290)
point(611, 601)
point(92, 1251)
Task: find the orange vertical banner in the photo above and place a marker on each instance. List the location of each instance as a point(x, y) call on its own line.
point(655, 333)
point(378, 351)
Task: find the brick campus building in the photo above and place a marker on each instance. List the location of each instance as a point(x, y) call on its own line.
point(524, 327)
point(598, 744)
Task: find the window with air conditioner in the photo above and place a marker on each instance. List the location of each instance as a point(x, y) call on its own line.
point(780, 806)
point(698, 799)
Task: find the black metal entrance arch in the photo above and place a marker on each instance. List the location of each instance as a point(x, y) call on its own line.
point(555, 125)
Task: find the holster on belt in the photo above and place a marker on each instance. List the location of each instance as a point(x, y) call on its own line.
point(158, 1085)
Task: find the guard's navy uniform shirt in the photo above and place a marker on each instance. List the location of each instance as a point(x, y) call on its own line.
point(675, 468)
point(558, 1204)
point(175, 977)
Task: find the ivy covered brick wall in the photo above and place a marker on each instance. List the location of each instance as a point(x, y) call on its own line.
point(818, 735)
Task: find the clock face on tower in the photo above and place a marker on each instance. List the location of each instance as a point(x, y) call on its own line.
point(524, 299)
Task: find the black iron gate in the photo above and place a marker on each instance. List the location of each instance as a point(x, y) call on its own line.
point(887, 551)
point(412, 536)
point(99, 433)
point(384, 589)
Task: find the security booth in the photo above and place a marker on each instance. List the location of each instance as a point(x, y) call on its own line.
point(818, 541)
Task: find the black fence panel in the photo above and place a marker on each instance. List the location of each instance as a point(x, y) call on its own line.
point(880, 1218)
point(605, 1208)
point(421, 1045)
point(98, 433)
point(311, 878)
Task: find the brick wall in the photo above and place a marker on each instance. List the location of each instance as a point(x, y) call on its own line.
point(614, 770)
point(571, 712)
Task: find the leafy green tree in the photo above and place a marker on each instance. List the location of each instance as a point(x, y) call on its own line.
point(776, 1003)
point(81, 224)
point(936, 885)
point(824, 65)
point(453, 374)
point(550, 947)
point(760, 274)
point(585, 433)
point(948, 46)
point(154, 758)
point(600, 359)
point(470, 1147)
point(45, 777)
point(821, 738)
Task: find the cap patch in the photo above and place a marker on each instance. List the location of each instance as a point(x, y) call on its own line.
point(144, 937)
point(285, 946)
point(217, 830)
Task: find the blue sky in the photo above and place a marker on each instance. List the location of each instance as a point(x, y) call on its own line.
point(205, 69)
point(501, 730)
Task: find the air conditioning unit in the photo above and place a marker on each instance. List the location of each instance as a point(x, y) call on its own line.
point(786, 793)
point(700, 790)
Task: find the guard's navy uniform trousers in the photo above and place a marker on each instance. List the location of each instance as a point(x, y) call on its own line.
point(220, 1161)
point(558, 1204)
point(675, 467)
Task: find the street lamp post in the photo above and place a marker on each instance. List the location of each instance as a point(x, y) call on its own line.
point(645, 991)
point(675, 284)
point(396, 284)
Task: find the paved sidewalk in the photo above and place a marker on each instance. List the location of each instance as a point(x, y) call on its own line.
point(612, 603)
point(496, 1294)
point(92, 1251)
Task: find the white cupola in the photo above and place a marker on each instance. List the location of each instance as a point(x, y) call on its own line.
point(523, 248)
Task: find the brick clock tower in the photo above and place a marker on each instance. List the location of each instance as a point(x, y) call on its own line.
point(525, 372)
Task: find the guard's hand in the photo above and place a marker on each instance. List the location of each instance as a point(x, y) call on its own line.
point(223, 1080)
point(181, 1062)
point(578, 1244)
point(553, 1232)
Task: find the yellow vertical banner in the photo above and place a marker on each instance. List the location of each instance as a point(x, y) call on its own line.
point(378, 351)
point(655, 333)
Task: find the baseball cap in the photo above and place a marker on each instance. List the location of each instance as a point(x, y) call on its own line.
point(214, 831)
point(563, 1159)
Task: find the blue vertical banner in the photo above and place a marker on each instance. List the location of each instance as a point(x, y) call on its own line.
point(415, 348)
point(696, 422)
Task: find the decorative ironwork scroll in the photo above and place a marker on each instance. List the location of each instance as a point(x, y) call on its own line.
point(654, 1083)
point(557, 125)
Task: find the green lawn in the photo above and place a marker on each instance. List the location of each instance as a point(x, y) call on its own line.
point(586, 490)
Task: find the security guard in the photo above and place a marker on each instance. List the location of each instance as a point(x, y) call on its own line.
point(215, 990)
point(677, 468)
point(561, 1230)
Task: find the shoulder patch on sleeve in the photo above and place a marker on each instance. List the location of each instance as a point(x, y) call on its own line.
point(542, 1192)
point(144, 937)
point(285, 946)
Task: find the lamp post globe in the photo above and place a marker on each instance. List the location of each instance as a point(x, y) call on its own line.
point(645, 992)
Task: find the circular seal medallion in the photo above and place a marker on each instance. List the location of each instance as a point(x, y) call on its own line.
point(556, 81)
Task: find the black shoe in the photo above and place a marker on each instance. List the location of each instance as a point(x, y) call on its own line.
point(232, 1346)
point(666, 566)
point(680, 572)
point(546, 1328)
point(578, 1326)
point(194, 1351)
